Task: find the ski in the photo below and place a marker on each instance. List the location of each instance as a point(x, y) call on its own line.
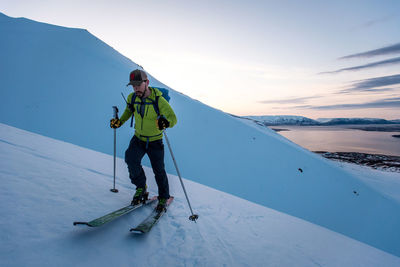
point(148, 223)
point(115, 214)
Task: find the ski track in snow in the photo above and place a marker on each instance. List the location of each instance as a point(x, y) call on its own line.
point(34, 152)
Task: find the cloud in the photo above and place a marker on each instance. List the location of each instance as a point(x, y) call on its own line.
point(391, 61)
point(373, 22)
point(383, 103)
point(392, 49)
point(372, 83)
point(296, 100)
point(380, 90)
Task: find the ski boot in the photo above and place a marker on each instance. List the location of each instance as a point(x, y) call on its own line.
point(162, 203)
point(140, 196)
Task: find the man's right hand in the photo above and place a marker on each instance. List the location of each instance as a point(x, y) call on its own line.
point(115, 123)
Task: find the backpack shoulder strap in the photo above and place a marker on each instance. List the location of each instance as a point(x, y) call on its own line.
point(130, 104)
point(132, 108)
point(155, 105)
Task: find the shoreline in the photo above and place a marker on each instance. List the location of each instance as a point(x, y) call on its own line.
point(375, 161)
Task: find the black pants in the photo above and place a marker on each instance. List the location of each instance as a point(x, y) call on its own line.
point(155, 151)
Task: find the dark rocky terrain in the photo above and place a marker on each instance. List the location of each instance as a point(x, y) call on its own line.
point(376, 161)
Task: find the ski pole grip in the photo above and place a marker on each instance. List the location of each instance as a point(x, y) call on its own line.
point(115, 109)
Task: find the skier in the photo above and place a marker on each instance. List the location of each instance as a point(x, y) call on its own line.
point(152, 115)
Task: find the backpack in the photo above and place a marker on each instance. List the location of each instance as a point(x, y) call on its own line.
point(165, 94)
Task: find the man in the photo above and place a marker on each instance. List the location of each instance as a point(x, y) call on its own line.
point(149, 124)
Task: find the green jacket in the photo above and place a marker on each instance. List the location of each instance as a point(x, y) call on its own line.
point(146, 128)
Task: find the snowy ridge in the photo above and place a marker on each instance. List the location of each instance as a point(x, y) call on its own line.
point(283, 120)
point(62, 83)
point(304, 121)
point(52, 183)
point(341, 121)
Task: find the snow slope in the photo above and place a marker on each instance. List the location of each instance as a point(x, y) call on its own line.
point(47, 184)
point(62, 83)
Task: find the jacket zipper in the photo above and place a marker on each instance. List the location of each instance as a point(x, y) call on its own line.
point(142, 122)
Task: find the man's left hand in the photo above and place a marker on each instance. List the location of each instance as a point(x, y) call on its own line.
point(162, 123)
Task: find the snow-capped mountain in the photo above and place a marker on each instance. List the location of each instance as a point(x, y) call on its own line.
point(283, 120)
point(343, 121)
point(62, 83)
point(304, 121)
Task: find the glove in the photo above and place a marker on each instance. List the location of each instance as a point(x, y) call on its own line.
point(162, 123)
point(115, 123)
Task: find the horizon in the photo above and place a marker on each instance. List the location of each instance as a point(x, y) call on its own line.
point(369, 118)
point(313, 60)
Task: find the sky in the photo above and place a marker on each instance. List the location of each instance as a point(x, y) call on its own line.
point(310, 58)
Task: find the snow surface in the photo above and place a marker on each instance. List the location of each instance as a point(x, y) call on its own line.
point(61, 83)
point(47, 184)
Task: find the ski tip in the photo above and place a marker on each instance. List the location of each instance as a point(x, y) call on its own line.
point(136, 231)
point(81, 223)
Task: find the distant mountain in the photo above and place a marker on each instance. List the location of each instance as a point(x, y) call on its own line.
point(341, 121)
point(304, 121)
point(283, 120)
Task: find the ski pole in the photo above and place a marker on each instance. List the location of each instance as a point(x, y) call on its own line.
point(115, 109)
point(192, 217)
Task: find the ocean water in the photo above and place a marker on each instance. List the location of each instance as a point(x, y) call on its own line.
point(343, 139)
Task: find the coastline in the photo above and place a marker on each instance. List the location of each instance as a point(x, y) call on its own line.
point(383, 159)
point(375, 161)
